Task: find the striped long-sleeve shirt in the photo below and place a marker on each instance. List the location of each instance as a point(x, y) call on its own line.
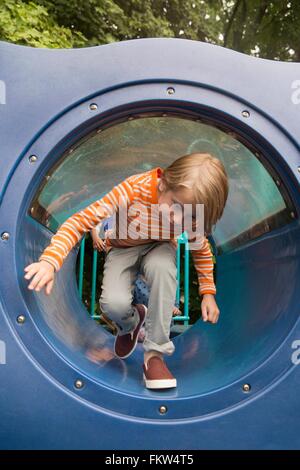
point(135, 192)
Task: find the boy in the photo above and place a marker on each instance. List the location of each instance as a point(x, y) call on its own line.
point(191, 180)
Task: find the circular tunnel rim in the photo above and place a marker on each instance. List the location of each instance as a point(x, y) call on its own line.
point(37, 176)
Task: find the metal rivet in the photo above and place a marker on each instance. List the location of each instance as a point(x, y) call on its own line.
point(163, 409)
point(78, 384)
point(93, 106)
point(131, 118)
point(245, 113)
point(164, 115)
point(246, 387)
point(170, 90)
point(298, 169)
point(292, 214)
point(32, 158)
point(98, 131)
point(21, 319)
point(5, 236)
point(278, 182)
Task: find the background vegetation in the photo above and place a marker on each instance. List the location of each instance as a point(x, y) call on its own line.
point(268, 29)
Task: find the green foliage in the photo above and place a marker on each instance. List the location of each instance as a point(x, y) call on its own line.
point(98, 20)
point(263, 28)
point(30, 24)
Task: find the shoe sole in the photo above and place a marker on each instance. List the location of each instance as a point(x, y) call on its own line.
point(136, 339)
point(162, 383)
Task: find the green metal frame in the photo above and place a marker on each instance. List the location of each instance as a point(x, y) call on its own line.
point(182, 240)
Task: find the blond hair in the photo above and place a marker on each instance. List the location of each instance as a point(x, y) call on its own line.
point(206, 176)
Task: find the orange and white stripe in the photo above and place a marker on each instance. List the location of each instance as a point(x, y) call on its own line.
point(133, 191)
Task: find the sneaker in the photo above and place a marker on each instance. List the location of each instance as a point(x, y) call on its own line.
point(125, 344)
point(157, 375)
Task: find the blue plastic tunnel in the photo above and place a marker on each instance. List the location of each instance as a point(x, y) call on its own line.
point(73, 124)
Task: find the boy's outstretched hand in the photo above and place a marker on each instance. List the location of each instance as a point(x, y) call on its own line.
point(43, 273)
point(209, 308)
point(98, 243)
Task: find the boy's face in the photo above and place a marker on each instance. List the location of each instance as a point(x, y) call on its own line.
point(182, 201)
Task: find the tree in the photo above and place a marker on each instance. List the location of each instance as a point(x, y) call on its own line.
point(30, 24)
point(268, 29)
point(264, 28)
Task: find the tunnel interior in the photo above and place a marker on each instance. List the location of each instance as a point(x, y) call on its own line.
point(256, 243)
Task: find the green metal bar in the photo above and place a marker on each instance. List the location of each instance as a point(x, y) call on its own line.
point(179, 318)
point(81, 266)
point(178, 273)
point(94, 279)
point(186, 281)
point(183, 239)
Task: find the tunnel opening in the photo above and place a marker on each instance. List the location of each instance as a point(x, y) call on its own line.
point(256, 243)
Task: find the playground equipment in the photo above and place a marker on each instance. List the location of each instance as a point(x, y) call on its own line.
point(181, 240)
point(74, 123)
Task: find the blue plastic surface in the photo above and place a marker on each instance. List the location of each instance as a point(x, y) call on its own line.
point(48, 93)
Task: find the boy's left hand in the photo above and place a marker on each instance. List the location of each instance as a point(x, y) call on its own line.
point(99, 244)
point(209, 308)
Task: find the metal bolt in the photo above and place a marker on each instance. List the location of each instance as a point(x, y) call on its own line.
point(246, 387)
point(5, 236)
point(292, 214)
point(78, 384)
point(93, 106)
point(98, 131)
point(32, 158)
point(163, 409)
point(298, 169)
point(278, 182)
point(170, 90)
point(131, 118)
point(245, 113)
point(21, 319)
point(164, 115)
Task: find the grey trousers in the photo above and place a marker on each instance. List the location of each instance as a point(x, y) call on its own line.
point(157, 262)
